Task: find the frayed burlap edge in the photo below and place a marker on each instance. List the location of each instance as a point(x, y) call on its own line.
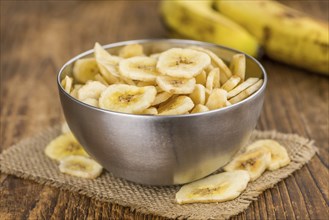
point(27, 160)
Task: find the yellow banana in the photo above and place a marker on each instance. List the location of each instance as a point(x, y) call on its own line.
point(286, 34)
point(197, 20)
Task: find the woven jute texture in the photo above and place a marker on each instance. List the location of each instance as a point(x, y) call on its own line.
point(27, 160)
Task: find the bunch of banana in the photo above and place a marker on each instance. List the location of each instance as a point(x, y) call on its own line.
point(73, 159)
point(197, 20)
point(285, 34)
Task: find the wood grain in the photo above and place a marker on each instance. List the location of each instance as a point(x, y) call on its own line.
point(38, 37)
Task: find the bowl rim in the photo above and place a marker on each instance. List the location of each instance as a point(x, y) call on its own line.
point(183, 41)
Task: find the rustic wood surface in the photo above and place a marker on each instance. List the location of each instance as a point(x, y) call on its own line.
point(38, 37)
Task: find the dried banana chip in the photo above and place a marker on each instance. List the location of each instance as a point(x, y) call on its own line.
point(246, 93)
point(201, 78)
point(231, 83)
point(85, 69)
point(213, 79)
point(225, 72)
point(131, 50)
point(80, 166)
point(74, 92)
point(139, 68)
point(238, 65)
point(249, 82)
point(126, 98)
point(279, 154)
point(91, 101)
point(67, 83)
point(254, 161)
point(200, 108)
point(63, 146)
point(107, 64)
point(150, 111)
point(182, 63)
point(177, 106)
point(91, 89)
point(161, 97)
point(100, 78)
point(198, 95)
point(217, 99)
point(176, 85)
point(215, 188)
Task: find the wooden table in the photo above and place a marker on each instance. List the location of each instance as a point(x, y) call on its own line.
point(38, 37)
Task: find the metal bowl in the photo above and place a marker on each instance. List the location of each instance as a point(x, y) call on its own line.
point(163, 150)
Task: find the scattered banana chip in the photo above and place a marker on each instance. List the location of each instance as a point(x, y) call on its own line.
point(73, 159)
point(279, 154)
point(184, 63)
point(176, 85)
point(131, 50)
point(80, 166)
point(126, 98)
point(216, 188)
point(63, 146)
point(177, 106)
point(254, 161)
point(133, 82)
point(139, 68)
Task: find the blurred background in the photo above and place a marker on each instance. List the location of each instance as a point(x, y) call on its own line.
point(38, 37)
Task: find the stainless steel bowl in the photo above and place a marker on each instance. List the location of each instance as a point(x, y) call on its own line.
point(163, 150)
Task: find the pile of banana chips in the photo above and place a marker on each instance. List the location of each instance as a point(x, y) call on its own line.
point(174, 82)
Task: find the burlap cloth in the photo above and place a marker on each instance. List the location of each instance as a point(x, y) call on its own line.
point(27, 160)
